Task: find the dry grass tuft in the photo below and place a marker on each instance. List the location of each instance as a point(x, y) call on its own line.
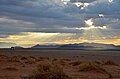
point(98, 62)
point(62, 62)
point(14, 59)
point(75, 63)
point(86, 67)
point(30, 61)
point(3, 56)
point(41, 59)
point(23, 58)
point(48, 71)
point(32, 57)
point(91, 67)
point(109, 62)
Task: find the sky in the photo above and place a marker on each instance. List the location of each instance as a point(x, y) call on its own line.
point(29, 22)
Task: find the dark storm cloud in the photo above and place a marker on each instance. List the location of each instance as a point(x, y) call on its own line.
point(39, 9)
point(52, 15)
point(39, 13)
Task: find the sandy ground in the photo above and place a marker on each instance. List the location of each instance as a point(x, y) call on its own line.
point(77, 64)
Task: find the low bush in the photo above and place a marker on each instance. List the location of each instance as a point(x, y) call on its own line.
point(48, 71)
point(75, 63)
point(109, 62)
point(91, 67)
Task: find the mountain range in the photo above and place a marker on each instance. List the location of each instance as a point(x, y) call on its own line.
point(80, 46)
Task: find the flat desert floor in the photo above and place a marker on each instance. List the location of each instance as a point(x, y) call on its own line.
point(60, 63)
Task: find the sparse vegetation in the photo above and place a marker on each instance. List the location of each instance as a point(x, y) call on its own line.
point(39, 59)
point(57, 68)
point(13, 59)
point(91, 67)
point(30, 61)
point(42, 58)
point(86, 67)
point(48, 71)
point(109, 62)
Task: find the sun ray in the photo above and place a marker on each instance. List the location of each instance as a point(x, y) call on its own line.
point(91, 32)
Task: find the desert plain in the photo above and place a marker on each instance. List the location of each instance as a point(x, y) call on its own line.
point(59, 64)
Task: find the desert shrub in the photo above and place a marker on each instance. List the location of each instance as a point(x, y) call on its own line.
point(32, 57)
point(82, 56)
point(62, 62)
point(86, 67)
point(66, 59)
point(48, 71)
point(42, 59)
point(39, 59)
point(30, 61)
point(47, 58)
point(23, 58)
point(75, 56)
point(9, 68)
point(109, 62)
point(14, 59)
point(3, 56)
point(54, 59)
point(98, 62)
point(75, 63)
point(91, 67)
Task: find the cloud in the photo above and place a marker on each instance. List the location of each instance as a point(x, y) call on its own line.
point(83, 1)
point(110, 10)
point(104, 7)
point(18, 16)
point(23, 16)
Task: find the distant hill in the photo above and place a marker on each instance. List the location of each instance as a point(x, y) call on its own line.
point(80, 46)
point(99, 45)
point(45, 46)
point(74, 46)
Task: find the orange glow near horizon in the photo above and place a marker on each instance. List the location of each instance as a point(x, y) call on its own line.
point(30, 39)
